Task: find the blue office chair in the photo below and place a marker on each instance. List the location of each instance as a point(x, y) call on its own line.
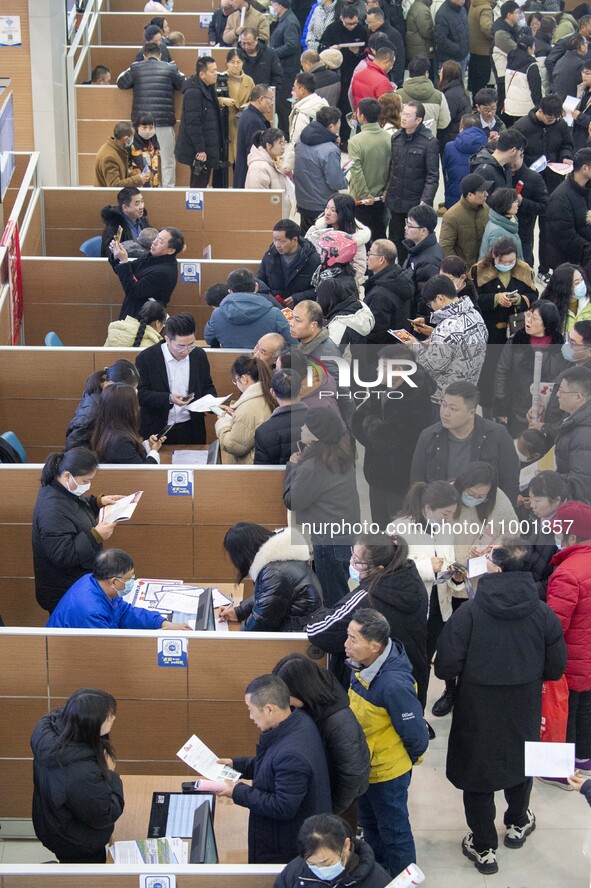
point(52, 340)
point(11, 449)
point(92, 247)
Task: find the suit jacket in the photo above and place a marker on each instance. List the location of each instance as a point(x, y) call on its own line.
point(154, 391)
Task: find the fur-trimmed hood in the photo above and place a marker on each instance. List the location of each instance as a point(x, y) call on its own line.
point(286, 545)
point(486, 273)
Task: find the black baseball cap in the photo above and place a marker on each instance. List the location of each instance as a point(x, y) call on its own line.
point(473, 183)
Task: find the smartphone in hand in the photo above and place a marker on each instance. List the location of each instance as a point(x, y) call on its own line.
point(189, 397)
point(164, 432)
point(119, 234)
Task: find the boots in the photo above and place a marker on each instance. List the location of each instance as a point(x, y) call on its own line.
point(445, 704)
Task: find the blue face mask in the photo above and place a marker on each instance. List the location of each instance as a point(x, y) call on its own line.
point(128, 587)
point(327, 873)
point(472, 501)
point(568, 352)
point(580, 290)
point(354, 574)
point(500, 267)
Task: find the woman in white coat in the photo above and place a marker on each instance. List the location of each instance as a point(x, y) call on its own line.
point(263, 166)
point(426, 524)
point(340, 215)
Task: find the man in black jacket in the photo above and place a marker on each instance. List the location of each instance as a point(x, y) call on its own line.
point(414, 170)
point(200, 131)
point(286, 41)
point(573, 441)
point(462, 437)
point(493, 163)
point(423, 253)
point(129, 213)
point(561, 47)
point(275, 439)
point(388, 292)
point(547, 134)
point(219, 20)
point(532, 195)
point(289, 263)
point(154, 83)
point(252, 120)
point(261, 62)
point(348, 29)
point(452, 33)
point(567, 230)
point(172, 374)
point(154, 276)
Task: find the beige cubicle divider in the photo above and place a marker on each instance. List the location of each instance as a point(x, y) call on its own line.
point(157, 708)
point(200, 877)
point(127, 28)
point(78, 298)
point(179, 6)
point(235, 224)
point(169, 536)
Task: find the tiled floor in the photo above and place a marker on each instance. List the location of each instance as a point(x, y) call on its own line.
point(553, 857)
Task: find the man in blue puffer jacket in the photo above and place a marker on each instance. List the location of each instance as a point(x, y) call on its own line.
point(456, 156)
point(244, 315)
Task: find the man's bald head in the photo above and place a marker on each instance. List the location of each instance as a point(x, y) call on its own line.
point(268, 348)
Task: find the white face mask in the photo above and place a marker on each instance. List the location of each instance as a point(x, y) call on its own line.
point(79, 489)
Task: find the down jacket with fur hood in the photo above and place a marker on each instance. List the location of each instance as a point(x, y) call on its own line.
point(286, 590)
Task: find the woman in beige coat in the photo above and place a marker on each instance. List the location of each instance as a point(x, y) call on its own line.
point(138, 332)
point(254, 406)
point(240, 86)
point(263, 170)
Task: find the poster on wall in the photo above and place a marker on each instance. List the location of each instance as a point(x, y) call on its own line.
point(10, 240)
point(10, 30)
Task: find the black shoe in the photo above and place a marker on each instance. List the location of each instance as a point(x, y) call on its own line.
point(444, 705)
point(430, 731)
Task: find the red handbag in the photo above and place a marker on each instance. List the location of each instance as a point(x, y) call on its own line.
point(554, 711)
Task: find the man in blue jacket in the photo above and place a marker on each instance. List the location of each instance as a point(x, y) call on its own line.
point(289, 773)
point(244, 315)
point(94, 601)
point(384, 700)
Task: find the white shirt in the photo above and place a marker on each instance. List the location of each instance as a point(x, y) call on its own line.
point(178, 382)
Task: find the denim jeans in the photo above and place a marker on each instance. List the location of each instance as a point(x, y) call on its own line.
point(383, 814)
point(331, 566)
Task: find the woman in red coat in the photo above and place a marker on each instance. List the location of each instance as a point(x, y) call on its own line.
point(569, 595)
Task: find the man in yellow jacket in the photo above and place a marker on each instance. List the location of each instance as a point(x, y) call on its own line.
point(384, 700)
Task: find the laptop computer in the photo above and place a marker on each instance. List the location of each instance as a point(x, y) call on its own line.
point(203, 844)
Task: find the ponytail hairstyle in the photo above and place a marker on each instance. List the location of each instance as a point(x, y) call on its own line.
point(123, 371)
point(436, 495)
point(263, 138)
point(77, 461)
point(246, 365)
point(381, 550)
point(151, 311)
point(96, 382)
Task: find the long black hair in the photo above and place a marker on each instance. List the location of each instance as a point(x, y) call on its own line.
point(258, 371)
point(77, 461)
point(381, 551)
point(307, 681)
point(151, 311)
point(242, 542)
point(81, 719)
point(479, 473)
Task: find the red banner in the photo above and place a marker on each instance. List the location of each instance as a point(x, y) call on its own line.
point(10, 239)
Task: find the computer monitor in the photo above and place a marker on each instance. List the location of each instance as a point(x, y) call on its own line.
point(203, 844)
point(205, 616)
point(173, 813)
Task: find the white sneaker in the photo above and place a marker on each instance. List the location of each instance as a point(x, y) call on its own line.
point(516, 835)
point(484, 861)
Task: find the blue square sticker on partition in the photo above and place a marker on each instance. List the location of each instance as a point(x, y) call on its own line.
point(190, 272)
point(180, 482)
point(205, 20)
point(172, 652)
point(194, 200)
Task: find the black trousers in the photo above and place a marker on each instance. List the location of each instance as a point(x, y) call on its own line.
point(307, 218)
point(396, 233)
point(480, 811)
point(373, 217)
point(384, 503)
point(578, 727)
point(99, 857)
point(479, 68)
point(543, 234)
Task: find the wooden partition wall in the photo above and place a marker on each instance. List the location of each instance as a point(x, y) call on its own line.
point(54, 877)
point(179, 6)
point(127, 28)
point(157, 708)
point(179, 537)
point(78, 298)
point(235, 224)
point(40, 389)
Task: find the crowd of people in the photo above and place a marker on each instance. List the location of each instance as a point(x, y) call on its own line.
point(424, 337)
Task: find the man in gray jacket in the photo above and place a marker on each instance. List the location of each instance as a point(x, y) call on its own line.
point(317, 170)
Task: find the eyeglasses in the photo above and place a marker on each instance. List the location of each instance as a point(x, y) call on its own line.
point(184, 348)
point(375, 255)
point(354, 560)
point(408, 225)
point(562, 392)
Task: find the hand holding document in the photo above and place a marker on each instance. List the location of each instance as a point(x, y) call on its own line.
point(199, 757)
point(122, 510)
point(570, 104)
point(206, 403)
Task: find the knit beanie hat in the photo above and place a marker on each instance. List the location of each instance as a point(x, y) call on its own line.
point(332, 58)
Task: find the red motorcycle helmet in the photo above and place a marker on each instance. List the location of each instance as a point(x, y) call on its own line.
point(338, 248)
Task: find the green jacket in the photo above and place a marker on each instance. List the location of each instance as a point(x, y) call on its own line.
point(419, 31)
point(480, 19)
point(462, 229)
point(370, 150)
point(567, 25)
point(584, 314)
point(420, 89)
